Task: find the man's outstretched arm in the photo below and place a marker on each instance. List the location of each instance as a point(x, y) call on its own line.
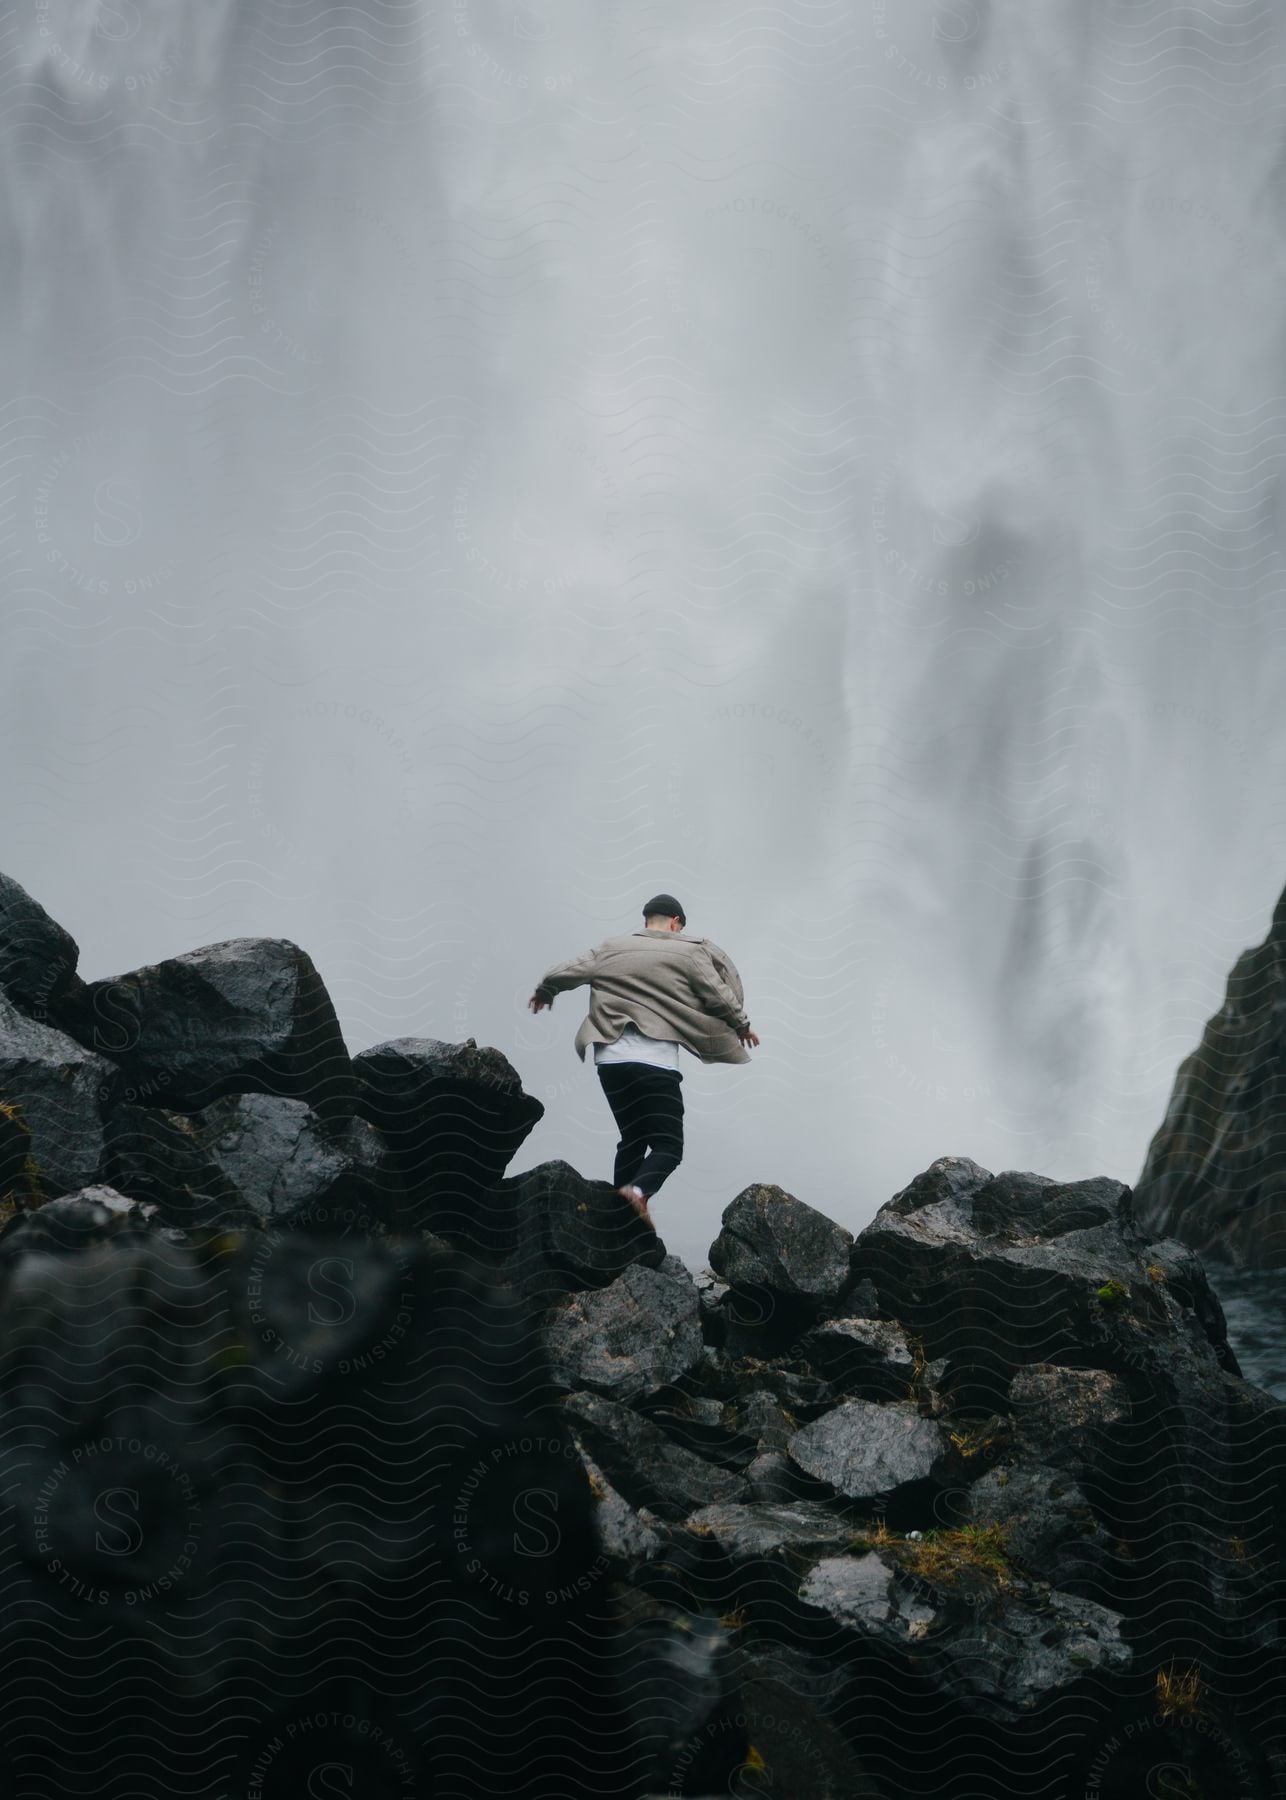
point(563, 975)
point(715, 994)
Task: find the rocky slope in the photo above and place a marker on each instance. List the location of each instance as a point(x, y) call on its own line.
point(335, 1459)
point(1215, 1171)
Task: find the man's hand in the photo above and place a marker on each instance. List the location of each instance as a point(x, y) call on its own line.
point(749, 1037)
point(536, 1004)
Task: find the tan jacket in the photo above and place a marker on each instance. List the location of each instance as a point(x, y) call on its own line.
point(667, 984)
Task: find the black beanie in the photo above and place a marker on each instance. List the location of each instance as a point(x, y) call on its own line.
point(668, 905)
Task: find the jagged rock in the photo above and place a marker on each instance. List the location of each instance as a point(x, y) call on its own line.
point(454, 1115)
point(253, 1159)
point(996, 1271)
point(249, 1015)
point(762, 1417)
point(862, 1449)
point(1001, 1663)
point(628, 1535)
point(771, 1240)
point(37, 957)
point(868, 1358)
point(766, 1529)
point(1214, 1175)
point(648, 1468)
point(771, 1477)
point(628, 1339)
point(1050, 1529)
point(60, 1092)
point(75, 1220)
point(563, 1233)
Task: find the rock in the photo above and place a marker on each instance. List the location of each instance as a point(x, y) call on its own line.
point(864, 1450)
point(868, 1358)
point(454, 1116)
point(1050, 1529)
point(37, 957)
point(1001, 1663)
point(767, 1529)
point(561, 1233)
point(249, 1015)
point(252, 1159)
point(197, 1445)
point(643, 1463)
point(771, 1240)
point(992, 1272)
point(60, 1092)
point(760, 1416)
point(771, 1477)
point(628, 1339)
point(1214, 1175)
point(75, 1220)
point(627, 1535)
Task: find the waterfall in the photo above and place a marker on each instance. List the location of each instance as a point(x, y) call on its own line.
point(471, 464)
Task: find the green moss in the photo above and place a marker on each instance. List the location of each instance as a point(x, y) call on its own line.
point(1112, 1294)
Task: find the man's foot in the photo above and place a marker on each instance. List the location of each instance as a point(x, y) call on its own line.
point(638, 1200)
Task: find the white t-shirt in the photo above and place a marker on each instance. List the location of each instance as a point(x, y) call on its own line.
point(634, 1045)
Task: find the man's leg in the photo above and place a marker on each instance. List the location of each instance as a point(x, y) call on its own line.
point(629, 1111)
point(664, 1127)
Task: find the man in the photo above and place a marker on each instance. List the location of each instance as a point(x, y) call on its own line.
point(650, 992)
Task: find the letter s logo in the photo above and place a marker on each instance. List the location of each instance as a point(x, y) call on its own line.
point(123, 1520)
point(528, 1512)
point(124, 526)
point(321, 1786)
point(118, 21)
point(955, 530)
point(964, 22)
point(341, 1298)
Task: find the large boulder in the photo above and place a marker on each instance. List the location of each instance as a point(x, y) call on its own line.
point(626, 1340)
point(74, 1221)
point(454, 1116)
point(1214, 1175)
point(1001, 1661)
point(995, 1271)
point(557, 1233)
point(772, 1241)
point(60, 1092)
point(250, 1015)
point(252, 1159)
point(37, 957)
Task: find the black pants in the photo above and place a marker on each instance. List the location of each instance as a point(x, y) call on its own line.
point(647, 1104)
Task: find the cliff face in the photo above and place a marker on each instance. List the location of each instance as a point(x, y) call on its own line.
point(1215, 1171)
point(334, 1459)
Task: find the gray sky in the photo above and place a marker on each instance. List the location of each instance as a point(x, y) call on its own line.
point(470, 464)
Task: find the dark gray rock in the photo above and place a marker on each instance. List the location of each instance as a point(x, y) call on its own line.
point(772, 1477)
point(561, 1233)
point(628, 1339)
point(60, 1093)
point(870, 1359)
point(761, 1416)
point(647, 1467)
point(74, 1221)
point(454, 1116)
point(992, 1272)
point(37, 957)
point(771, 1240)
point(1214, 1175)
point(249, 1015)
point(1000, 1662)
point(863, 1449)
point(252, 1159)
point(768, 1529)
point(1051, 1531)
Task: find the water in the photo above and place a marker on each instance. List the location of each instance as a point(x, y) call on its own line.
point(470, 466)
point(1254, 1303)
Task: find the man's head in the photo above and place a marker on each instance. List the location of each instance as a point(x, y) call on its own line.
point(663, 913)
